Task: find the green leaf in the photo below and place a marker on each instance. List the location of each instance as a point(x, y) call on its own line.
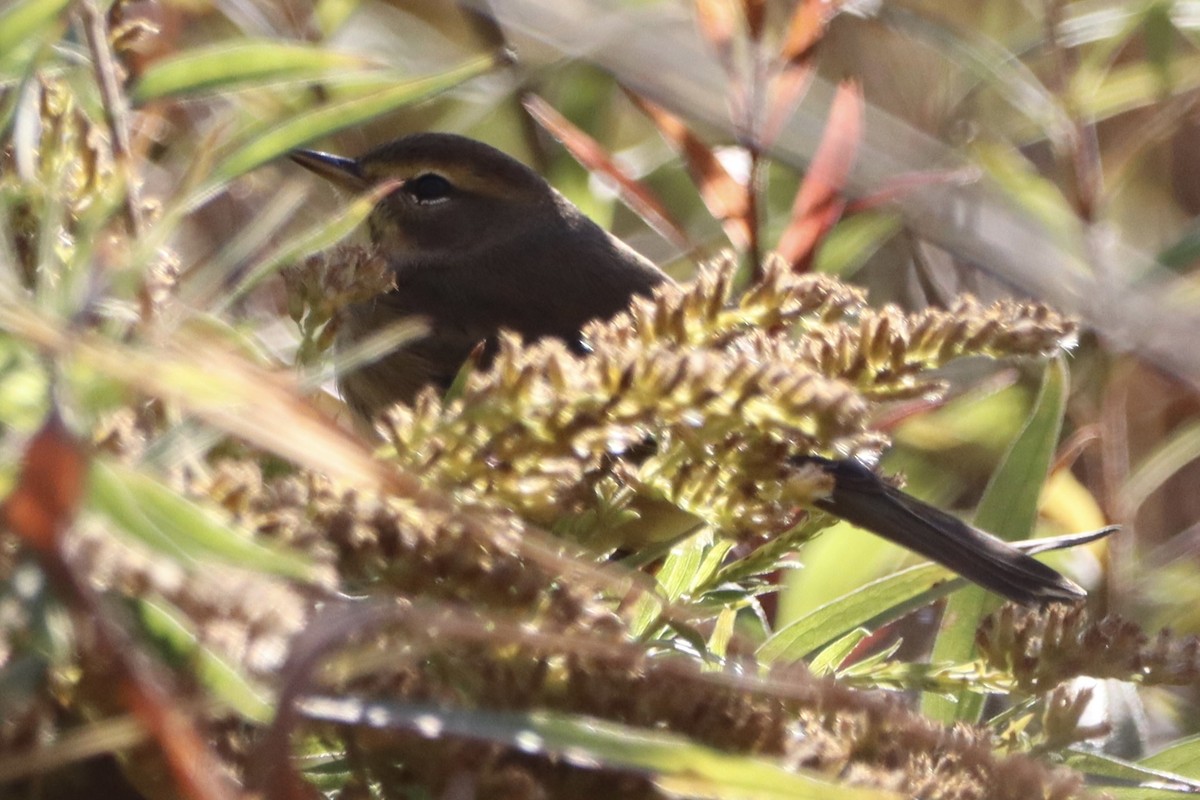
point(1009, 507)
point(328, 119)
point(1158, 34)
point(331, 14)
point(24, 22)
point(854, 240)
point(676, 764)
point(167, 625)
point(828, 660)
point(1112, 90)
point(225, 66)
point(1123, 779)
point(722, 634)
point(877, 603)
point(1184, 252)
point(677, 575)
point(1008, 510)
point(1181, 758)
point(1020, 180)
point(170, 523)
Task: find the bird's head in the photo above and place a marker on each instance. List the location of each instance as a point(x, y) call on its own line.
point(453, 193)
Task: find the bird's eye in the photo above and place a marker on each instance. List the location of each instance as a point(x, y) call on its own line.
point(428, 188)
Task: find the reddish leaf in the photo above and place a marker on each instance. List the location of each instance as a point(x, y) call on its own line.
point(806, 29)
point(717, 20)
point(787, 90)
point(820, 201)
point(756, 17)
point(588, 152)
point(43, 503)
point(727, 200)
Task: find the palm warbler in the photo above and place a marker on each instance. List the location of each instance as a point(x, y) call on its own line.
point(479, 242)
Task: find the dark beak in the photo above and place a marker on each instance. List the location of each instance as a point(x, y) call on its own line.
point(339, 170)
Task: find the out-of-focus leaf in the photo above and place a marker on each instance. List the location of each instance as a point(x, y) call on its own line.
point(111, 735)
point(1026, 187)
point(718, 23)
point(23, 22)
point(727, 200)
point(1087, 24)
point(1008, 510)
point(199, 372)
point(674, 763)
point(1184, 253)
point(214, 277)
point(222, 678)
point(806, 28)
point(1158, 34)
point(853, 241)
point(1117, 89)
point(328, 119)
point(588, 152)
point(1069, 505)
point(41, 507)
point(1125, 780)
point(995, 66)
point(330, 14)
point(1179, 449)
point(821, 198)
point(899, 187)
point(320, 236)
point(226, 66)
point(164, 519)
point(755, 12)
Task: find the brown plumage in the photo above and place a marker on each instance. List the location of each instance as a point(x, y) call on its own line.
point(469, 231)
point(480, 242)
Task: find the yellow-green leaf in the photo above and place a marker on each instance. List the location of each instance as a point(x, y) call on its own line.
point(325, 120)
point(171, 523)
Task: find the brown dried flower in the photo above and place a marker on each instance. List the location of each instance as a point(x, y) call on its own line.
point(1043, 648)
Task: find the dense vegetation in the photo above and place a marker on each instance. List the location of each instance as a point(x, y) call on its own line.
point(958, 239)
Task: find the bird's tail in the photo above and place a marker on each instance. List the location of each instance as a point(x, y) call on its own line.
point(862, 498)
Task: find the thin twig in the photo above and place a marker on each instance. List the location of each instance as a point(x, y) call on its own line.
point(1086, 170)
point(116, 116)
point(116, 111)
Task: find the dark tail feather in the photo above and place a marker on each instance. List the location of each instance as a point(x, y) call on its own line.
point(862, 498)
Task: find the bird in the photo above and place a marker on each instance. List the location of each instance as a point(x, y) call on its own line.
point(479, 242)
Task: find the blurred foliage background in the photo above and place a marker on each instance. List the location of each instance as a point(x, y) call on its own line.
point(1043, 150)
